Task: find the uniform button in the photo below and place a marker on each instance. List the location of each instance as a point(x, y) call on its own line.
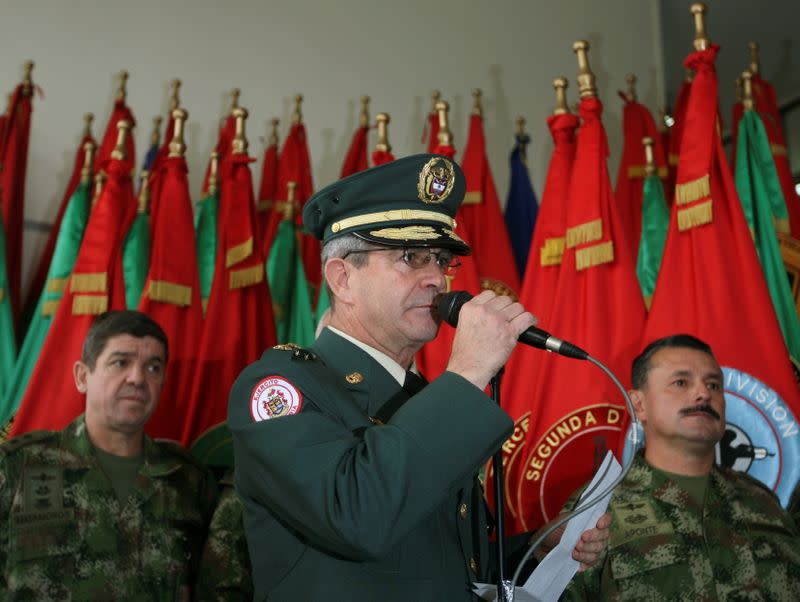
point(463, 511)
point(473, 566)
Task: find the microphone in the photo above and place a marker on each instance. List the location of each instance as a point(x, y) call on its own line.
point(448, 305)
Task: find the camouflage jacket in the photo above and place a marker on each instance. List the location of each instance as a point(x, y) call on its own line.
point(65, 536)
point(225, 573)
point(740, 546)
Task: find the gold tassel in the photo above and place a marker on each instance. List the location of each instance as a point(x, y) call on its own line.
point(49, 307)
point(246, 277)
point(588, 232)
point(778, 150)
point(473, 198)
point(238, 253)
point(663, 172)
point(693, 191)
point(696, 215)
point(169, 292)
point(673, 160)
point(89, 283)
point(262, 206)
point(57, 285)
point(205, 305)
point(781, 225)
point(598, 254)
point(83, 305)
point(552, 251)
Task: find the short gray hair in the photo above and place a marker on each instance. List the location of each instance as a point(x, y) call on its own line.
point(340, 247)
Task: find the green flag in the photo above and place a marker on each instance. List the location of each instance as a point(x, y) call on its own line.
point(205, 229)
point(655, 222)
point(323, 301)
point(136, 259)
point(765, 209)
point(8, 344)
point(291, 301)
point(68, 243)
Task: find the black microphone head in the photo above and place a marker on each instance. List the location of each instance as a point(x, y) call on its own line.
point(448, 305)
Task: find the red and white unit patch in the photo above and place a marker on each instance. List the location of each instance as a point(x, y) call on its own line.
point(274, 397)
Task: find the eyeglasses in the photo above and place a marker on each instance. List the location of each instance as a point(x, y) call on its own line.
point(418, 259)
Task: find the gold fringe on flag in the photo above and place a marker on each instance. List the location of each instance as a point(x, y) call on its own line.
point(83, 305)
point(673, 159)
point(57, 285)
point(693, 191)
point(262, 206)
point(169, 292)
point(473, 198)
point(595, 255)
point(238, 253)
point(89, 283)
point(588, 232)
point(696, 215)
point(246, 277)
point(49, 307)
point(205, 305)
point(638, 171)
point(778, 150)
point(552, 251)
point(781, 225)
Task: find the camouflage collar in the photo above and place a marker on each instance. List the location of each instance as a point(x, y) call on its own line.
point(642, 478)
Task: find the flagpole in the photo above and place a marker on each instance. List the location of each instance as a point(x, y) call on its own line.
point(499, 508)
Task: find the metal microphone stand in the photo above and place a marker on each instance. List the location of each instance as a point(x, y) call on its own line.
point(499, 505)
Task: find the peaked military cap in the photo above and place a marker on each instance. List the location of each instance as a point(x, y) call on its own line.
point(410, 202)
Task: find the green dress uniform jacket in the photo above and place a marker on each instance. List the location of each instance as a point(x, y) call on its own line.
point(64, 535)
point(740, 545)
point(339, 508)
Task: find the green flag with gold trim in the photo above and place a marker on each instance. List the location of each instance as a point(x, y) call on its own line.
point(655, 222)
point(205, 232)
point(8, 344)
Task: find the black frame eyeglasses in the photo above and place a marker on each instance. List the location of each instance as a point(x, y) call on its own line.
point(419, 258)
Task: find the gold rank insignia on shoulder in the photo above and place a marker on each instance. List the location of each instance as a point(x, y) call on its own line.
point(436, 180)
point(287, 347)
point(303, 355)
point(354, 378)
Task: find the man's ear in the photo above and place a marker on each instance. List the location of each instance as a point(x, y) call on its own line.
point(79, 372)
point(337, 274)
point(637, 398)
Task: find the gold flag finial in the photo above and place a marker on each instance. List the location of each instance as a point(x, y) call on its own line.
point(27, 77)
point(213, 178)
point(235, 94)
point(755, 63)
point(631, 80)
point(363, 118)
point(99, 181)
point(560, 85)
point(88, 118)
point(289, 205)
point(122, 88)
point(88, 161)
point(477, 108)
point(436, 96)
point(382, 123)
point(521, 126)
point(649, 160)
point(177, 147)
point(445, 137)
point(747, 91)
point(174, 100)
point(240, 143)
point(698, 9)
point(123, 129)
point(586, 87)
point(155, 135)
point(273, 132)
point(143, 202)
point(297, 116)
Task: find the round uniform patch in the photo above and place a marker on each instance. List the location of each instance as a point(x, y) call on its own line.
point(274, 397)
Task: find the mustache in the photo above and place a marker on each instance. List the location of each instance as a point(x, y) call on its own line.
point(702, 407)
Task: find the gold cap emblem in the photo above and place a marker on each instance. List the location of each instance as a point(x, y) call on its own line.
point(436, 180)
point(354, 378)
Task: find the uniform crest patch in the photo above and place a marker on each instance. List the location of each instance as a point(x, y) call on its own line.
point(274, 397)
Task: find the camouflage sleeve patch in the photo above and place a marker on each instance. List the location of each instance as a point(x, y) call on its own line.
point(20, 441)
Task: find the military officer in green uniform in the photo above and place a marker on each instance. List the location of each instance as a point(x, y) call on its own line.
point(99, 511)
point(684, 528)
point(357, 482)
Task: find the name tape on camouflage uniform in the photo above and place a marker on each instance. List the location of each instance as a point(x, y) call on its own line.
point(274, 397)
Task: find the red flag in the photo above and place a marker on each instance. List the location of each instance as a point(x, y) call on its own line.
point(269, 182)
point(738, 112)
point(121, 112)
point(40, 274)
point(356, 159)
point(379, 157)
point(51, 400)
point(482, 220)
point(711, 285)
point(637, 122)
point(13, 166)
point(239, 323)
point(539, 285)
point(172, 297)
point(576, 411)
point(676, 131)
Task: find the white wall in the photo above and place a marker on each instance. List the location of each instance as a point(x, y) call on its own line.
point(332, 52)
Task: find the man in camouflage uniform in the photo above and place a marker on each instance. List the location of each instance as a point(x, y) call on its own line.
point(99, 511)
point(684, 528)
